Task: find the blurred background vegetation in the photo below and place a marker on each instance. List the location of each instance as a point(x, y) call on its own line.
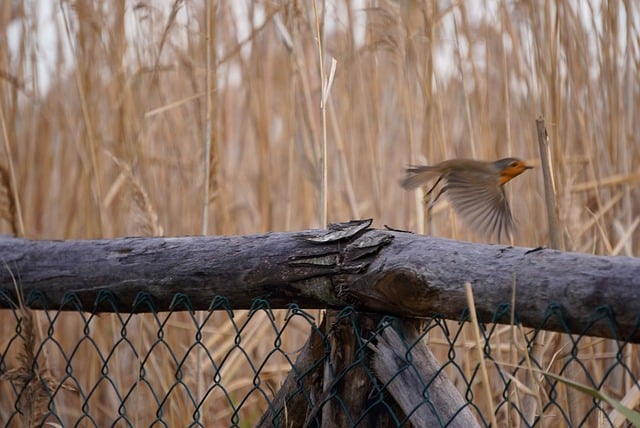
point(105, 112)
point(107, 109)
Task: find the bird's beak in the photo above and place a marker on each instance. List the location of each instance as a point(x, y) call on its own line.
point(528, 167)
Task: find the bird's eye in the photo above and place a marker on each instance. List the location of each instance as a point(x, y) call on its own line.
point(513, 164)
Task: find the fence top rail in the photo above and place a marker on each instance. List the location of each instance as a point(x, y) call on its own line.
point(386, 271)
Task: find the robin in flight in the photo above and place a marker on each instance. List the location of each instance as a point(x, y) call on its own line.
point(474, 188)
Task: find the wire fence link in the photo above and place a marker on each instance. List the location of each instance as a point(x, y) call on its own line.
point(225, 367)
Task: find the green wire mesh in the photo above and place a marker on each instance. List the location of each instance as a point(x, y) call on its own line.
point(224, 367)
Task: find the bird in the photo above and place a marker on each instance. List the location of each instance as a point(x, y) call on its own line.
point(475, 189)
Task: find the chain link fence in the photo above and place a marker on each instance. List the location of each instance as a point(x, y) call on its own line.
point(224, 367)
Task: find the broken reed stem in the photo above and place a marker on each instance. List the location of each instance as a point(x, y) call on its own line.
point(323, 110)
point(555, 231)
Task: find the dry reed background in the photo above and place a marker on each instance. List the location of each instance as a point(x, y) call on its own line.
point(104, 108)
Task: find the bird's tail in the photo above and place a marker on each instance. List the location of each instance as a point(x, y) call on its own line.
point(419, 176)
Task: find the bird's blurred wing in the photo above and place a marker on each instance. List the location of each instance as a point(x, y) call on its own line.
point(417, 176)
point(481, 202)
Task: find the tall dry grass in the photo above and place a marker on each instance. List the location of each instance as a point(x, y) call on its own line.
point(107, 109)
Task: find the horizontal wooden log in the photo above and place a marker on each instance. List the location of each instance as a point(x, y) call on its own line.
point(376, 270)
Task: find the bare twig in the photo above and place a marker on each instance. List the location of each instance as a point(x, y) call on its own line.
point(555, 231)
